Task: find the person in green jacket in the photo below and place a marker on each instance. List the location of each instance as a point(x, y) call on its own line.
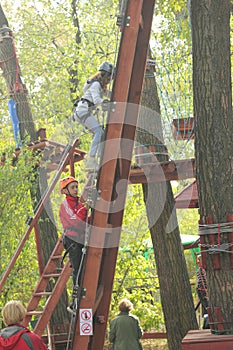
point(125, 329)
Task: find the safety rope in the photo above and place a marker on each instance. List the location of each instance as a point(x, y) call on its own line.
point(216, 229)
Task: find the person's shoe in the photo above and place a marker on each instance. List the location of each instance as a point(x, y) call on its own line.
point(71, 309)
point(91, 163)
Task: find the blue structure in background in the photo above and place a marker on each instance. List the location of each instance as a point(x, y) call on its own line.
point(15, 121)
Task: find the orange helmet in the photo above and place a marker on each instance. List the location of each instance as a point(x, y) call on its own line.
point(66, 181)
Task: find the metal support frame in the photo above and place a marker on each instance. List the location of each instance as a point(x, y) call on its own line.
point(116, 161)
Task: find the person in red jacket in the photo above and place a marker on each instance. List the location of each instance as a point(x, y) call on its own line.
point(74, 218)
point(15, 336)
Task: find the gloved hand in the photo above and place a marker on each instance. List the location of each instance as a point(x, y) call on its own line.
point(106, 105)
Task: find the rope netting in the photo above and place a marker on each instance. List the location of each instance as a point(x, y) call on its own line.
point(172, 48)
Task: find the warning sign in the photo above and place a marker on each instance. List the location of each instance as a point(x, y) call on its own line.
point(85, 319)
point(86, 329)
point(86, 315)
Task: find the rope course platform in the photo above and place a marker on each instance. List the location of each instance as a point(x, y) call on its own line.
point(51, 153)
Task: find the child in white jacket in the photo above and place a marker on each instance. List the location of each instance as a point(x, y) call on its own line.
point(94, 90)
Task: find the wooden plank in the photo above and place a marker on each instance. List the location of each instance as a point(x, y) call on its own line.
point(183, 124)
point(183, 129)
point(156, 335)
point(205, 340)
point(213, 240)
point(188, 197)
point(230, 237)
point(219, 318)
point(164, 171)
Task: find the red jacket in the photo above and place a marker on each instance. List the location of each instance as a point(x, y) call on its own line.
point(73, 216)
point(11, 338)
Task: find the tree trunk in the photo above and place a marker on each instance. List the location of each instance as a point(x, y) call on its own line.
point(17, 92)
point(175, 289)
point(213, 147)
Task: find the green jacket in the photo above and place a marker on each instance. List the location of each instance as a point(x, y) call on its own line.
point(125, 332)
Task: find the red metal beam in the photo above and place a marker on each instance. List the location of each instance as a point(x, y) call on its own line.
point(128, 135)
point(130, 70)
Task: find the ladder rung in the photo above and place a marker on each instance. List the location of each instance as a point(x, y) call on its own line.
point(49, 275)
point(41, 293)
point(56, 257)
point(29, 313)
point(57, 342)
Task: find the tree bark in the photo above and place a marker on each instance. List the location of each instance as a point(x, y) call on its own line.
point(175, 289)
point(18, 92)
point(214, 143)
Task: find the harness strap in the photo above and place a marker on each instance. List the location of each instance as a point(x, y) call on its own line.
point(27, 340)
point(66, 252)
point(90, 104)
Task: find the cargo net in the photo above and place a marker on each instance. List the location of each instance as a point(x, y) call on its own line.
point(171, 45)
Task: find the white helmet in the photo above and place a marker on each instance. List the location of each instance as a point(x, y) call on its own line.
point(106, 67)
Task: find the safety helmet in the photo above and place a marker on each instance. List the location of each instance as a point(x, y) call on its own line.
point(66, 181)
point(106, 67)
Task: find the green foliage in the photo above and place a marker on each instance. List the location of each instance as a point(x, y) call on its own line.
point(15, 206)
point(136, 276)
point(48, 52)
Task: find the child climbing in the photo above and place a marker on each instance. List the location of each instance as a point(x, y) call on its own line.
point(74, 217)
point(94, 90)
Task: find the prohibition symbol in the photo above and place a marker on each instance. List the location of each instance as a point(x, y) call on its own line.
point(86, 315)
point(86, 328)
point(85, 319)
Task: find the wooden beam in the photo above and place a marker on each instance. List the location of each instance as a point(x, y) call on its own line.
point(164, 171)
point(183, 129)
point(205, 340)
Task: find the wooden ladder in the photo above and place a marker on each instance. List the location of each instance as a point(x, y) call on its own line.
point(60, 276)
